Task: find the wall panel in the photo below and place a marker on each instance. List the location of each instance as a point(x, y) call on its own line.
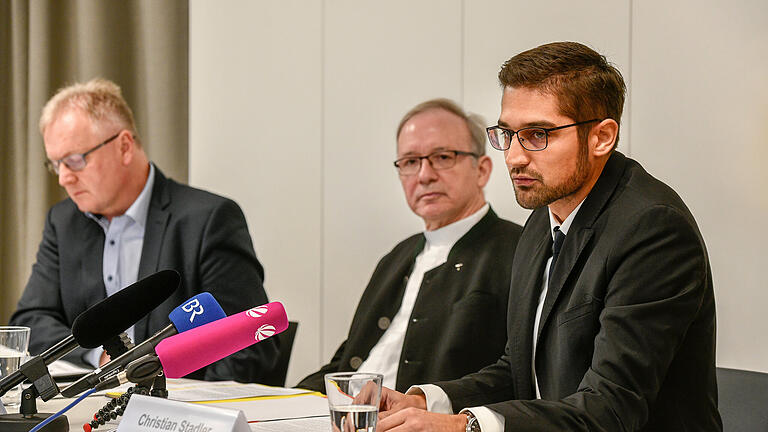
point(255, 122)
point(700, 123)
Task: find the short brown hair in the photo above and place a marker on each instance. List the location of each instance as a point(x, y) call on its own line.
point(474, 122)
point(586, 85)
point(98, 98)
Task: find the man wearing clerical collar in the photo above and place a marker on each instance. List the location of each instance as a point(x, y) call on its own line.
point(435, 305)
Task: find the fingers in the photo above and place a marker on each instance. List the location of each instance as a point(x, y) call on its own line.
point(391, 420)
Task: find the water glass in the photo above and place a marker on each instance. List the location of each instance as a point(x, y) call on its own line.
point(14, 342)
point(353, 399)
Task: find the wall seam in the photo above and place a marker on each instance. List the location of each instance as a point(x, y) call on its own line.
point(462, 53)
point(629, 79)
point(321, 275)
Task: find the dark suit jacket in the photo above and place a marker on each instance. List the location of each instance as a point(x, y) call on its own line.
point(627, 332)
point(458, 322)
point(201, 235)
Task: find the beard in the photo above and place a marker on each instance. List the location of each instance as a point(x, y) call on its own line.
point(542, 194)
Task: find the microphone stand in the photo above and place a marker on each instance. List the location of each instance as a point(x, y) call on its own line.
point(36, 371)
point(43, 385)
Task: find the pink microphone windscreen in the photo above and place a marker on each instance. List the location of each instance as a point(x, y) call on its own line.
point(187, 352)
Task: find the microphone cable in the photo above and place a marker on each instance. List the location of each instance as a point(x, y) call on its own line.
point(65, 409)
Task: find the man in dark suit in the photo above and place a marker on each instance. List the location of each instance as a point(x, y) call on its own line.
point(437, 290)
point(611, 325)
point(125, 220)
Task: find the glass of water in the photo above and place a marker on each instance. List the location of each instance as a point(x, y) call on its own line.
point(14, 342)
point(353, 399)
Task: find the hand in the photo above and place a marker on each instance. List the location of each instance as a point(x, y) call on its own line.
point(104, 359)
point(393, 401)
point(414, 419)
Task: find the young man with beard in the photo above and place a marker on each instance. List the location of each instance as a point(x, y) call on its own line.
point(611, 313)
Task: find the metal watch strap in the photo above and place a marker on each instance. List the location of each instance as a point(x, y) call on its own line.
point(473, 425)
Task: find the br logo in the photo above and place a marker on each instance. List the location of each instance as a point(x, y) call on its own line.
point(257, 312)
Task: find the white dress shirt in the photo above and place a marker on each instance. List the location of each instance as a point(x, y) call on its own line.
point(123, 240)
point(384, 357)
point(490, 420)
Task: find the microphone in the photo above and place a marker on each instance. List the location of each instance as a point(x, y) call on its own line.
point(91, 328)
point(116, 313)
point(197, 311)
point(187, 352)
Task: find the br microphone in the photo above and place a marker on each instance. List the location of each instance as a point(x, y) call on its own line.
point(197, 311)
point(194, 349)
point(105, 320)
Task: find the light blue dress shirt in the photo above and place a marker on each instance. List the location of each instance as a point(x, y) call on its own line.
point(123, 240)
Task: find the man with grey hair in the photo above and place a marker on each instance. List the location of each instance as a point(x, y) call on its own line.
point(435, 305)
point(124, 220)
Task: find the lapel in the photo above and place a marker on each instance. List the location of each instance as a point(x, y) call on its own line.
point(154, 232)
point(580, 234)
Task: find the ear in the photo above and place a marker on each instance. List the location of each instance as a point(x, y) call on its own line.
point(127, 147)
point(604, 137)
point(484, 168)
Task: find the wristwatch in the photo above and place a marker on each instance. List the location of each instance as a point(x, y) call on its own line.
point(473, 425)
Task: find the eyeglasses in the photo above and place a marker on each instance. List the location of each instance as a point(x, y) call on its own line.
point(438, 160)
point(75, 161)
point(531, 138)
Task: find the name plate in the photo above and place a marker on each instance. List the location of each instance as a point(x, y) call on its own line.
point(145, 413)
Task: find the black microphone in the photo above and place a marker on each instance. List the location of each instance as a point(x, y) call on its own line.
point(116, 313)
point(199, 310)
point(104, 321)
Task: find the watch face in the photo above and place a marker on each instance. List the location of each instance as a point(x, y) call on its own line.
point(472, 424)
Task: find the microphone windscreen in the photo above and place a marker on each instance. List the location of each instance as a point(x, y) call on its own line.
point(200, 309)
point(116, 313)
point(187, 352)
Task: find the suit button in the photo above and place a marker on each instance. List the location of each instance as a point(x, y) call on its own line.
point(355, 362)
point(384, 323)
point(405, 279)
point(414, 320)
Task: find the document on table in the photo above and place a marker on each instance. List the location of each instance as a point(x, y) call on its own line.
point(199, 391)
point(312, 424)
point(279, 408)
point(64, 369)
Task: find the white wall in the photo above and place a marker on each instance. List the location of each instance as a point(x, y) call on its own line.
point(293, 106)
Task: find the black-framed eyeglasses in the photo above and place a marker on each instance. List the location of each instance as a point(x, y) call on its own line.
point(531, 138)
point(76, 161)
point(438, 160)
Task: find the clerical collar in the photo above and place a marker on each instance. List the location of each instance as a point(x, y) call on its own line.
point(451, 233)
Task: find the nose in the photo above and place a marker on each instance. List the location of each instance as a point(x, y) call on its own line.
point(427, 173)
point(66, 175)
point(516, 156)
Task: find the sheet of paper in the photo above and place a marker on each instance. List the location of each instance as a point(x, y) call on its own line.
point(312, 424)
point(63, 368)
point(194, 391)
point(287, 407)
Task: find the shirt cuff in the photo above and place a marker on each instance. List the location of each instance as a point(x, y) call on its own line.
point(437, 399)
point(92, 357)
point(489, 420)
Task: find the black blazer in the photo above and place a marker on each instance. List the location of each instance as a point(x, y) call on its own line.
point(627, 332)
point(458, 322)
point(201, 235)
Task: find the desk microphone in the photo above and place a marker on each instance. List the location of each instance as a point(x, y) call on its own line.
point(92, 328)
point(197, 311)
point(194, 349)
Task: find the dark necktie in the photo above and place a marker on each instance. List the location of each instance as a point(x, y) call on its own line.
point(557, 244)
